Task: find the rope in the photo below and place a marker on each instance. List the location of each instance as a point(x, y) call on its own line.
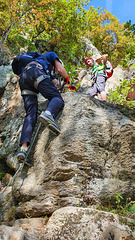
point(12, 178)
point(25, 160)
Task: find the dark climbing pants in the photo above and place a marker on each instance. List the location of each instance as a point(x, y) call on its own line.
point(48, 91)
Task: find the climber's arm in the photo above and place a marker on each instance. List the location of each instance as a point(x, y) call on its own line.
point(102, 58)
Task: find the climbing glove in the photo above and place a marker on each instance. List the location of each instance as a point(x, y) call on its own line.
point(66, 80)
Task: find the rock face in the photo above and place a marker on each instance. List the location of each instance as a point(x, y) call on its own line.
point(87, 164)
point(69, 223)
point(4, 78)
point(91, 161)
point(91, 49)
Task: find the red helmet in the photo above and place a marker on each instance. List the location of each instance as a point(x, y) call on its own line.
point(88, 59)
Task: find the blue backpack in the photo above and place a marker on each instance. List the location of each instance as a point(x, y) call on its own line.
point(21, 60)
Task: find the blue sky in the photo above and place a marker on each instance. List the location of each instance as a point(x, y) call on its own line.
point(124, 10)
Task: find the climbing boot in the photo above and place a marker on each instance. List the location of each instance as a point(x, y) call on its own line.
point(49, 121)
point(22, 153)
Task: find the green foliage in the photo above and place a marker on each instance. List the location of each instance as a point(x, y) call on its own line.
point(64, 31)
point(118, 96)
point(124, 63)
point(130, 27)
point(109, 37)
point(61, 25)
point(123, 207)
point(2, 175)
point(130, 50)
point(46, 218)
point(132, 208)
point(20, 16)
point(118, 199)
point(71, 70)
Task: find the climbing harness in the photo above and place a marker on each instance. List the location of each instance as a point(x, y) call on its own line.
point(40, 79)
